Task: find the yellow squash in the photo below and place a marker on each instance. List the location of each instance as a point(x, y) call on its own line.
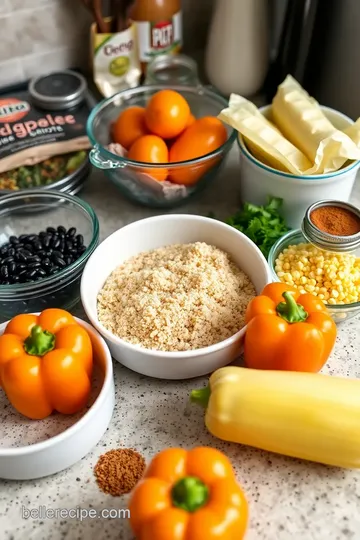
point(303, 415)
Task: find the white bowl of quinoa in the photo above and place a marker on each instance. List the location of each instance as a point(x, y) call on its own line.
point(169, 294)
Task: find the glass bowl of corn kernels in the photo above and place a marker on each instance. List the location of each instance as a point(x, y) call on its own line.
point(333, 277)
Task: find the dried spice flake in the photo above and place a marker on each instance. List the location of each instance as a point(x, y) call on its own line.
point(118, 471)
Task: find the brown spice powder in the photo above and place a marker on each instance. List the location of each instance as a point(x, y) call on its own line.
point(335, 220)
point(118, 471)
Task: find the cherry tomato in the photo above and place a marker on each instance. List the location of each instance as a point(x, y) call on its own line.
point(129, 126)
point(167, 114)
point(204, 136)
point(150, 149)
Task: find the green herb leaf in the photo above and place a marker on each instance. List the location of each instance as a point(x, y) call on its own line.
point(264, 225)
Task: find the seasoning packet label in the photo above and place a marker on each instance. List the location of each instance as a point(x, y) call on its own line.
point(262, 137)
point(29, 135)
point(116, 62)
point(305, 125)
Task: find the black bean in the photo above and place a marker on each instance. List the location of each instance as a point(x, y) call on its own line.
point(69, 244)
point(55, 242)
point(79, 239)
point(12, 267)
point(61, 229)
point(41, 253)
point(68, 259)
point(50, 230)
point(4, 271)
point(20, 258)
point(8, 260)
point(22, 274)
point(32, 237)
point(46, 241)
point(81, 250)
point(26, 252)
point(20, 266)
point(6, 282)
point(46, 261)
point(34, 265)
point(13, 240)
point(28, 247)
point(15, 279)
point(54, 269)
point(71, 232)
point(41, 272)
point(42, 234)
point(23, 237)
point(33, 258)
point(56, 253)
point(72, 251)
point(30, 273)
point(37, 246)
point(59, 261)
point(4, 249)
point(19, 246)
point(11, 252)
point(62, 245)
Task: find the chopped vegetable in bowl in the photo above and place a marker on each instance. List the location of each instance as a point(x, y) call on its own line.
point(42, 174)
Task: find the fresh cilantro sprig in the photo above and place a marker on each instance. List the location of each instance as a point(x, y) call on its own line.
point(262, 224)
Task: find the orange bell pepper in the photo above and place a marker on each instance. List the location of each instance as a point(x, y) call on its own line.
point(46, 363)
point(188, 495)
point(287, 331)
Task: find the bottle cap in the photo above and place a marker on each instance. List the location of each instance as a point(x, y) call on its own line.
point(58, 91)
point(324, 240)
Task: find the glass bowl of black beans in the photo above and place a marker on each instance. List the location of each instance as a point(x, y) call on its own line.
point(46, 239)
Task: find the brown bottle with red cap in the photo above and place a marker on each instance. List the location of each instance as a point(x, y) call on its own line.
point(159, 28)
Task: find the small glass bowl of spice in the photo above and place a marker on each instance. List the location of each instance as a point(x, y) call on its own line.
point(323, 258)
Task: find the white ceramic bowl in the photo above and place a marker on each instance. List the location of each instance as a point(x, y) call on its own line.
point(258, 180)
point(75, 435)
point(153, 233)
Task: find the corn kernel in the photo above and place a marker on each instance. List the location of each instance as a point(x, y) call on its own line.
point(309, 288)
point(334, 293)
point(332, 301)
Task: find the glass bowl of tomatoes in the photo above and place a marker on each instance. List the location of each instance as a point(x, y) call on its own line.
point(160, 145)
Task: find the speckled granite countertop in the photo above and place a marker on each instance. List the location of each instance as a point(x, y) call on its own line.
point(289, 499)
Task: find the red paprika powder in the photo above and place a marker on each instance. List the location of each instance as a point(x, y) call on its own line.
point(335, 220)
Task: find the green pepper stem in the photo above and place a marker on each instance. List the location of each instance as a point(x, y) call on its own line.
point(201, 396)
point(39, 342)
point(290, 311)
point(189, 493)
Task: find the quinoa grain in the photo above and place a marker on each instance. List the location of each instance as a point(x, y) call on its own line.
point(176, 298)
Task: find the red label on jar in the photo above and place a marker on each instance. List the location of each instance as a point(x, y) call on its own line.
point(162, 35)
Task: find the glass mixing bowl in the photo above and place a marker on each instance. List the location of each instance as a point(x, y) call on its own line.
point(339, 313)
point(129, 175)
point(31, 211)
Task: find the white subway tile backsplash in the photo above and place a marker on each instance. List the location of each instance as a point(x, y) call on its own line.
point(57, 59)
point(11, 72)
point(28, 4)
point(54, 25)
point(4, 6)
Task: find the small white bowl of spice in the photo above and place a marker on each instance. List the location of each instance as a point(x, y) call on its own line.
point(169, 294)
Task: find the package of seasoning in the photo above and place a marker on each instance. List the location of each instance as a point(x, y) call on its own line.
point(116, 63)
point(159, 28)
point(47, 120)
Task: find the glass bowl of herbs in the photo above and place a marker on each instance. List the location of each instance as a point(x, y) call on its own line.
point(65, 173)
point(46, 238)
